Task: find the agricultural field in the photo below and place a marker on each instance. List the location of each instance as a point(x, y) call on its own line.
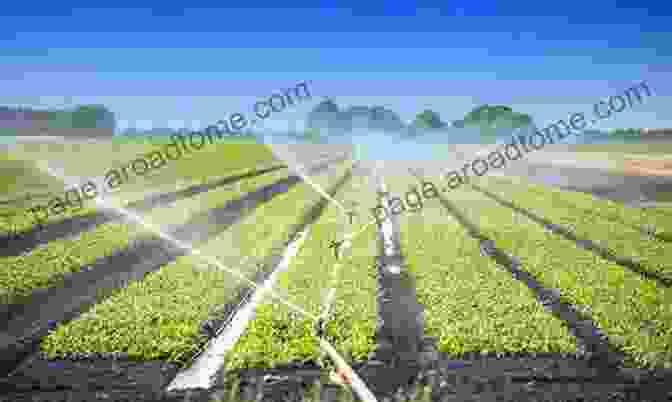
point(26, 183)
point(478, 268)
point(633, 311)
point(628, 235)
point(342, 290)
point(471, 305)
point(45, 265)
point(655, 220)
point(160, 315)
point(643, 149)
point(645, 161)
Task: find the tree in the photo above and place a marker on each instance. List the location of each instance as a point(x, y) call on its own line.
point(493, 120)
point(626, 134)
point(312, 135)
point(328, 117)
point(93, 116)
point(381, 118)
point(428, 119)
point(85, 116)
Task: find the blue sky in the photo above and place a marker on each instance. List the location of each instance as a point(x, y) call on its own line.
point(167, 66)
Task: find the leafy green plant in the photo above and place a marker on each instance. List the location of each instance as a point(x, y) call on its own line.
point(619, 301)
point(470, 303)
point(159, 316)
point(276, 336)
point(619, 239)
point(207, 165)
point(44, 266)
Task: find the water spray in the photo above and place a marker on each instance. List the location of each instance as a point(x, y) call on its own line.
point(300, 171)
point(352, 378)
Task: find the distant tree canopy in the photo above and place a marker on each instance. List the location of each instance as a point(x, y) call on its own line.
point(491, 119)
point(329, 117)
point(83, 116)
point(312, 135)
point(628, 135)
point(626, 132)
point(428, 119)
point(93, 116)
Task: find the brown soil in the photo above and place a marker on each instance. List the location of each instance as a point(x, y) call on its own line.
point(648, 167)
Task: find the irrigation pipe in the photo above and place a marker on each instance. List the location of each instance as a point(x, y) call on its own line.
point(356, 383)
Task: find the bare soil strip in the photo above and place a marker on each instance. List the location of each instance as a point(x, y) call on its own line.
point(72, 226)
point(520, 378)
point(400, 341)
point(617, 186)
point(586, 244)
point(509, 378)
point(491, 378)
point(30, 322)
point(648, 167)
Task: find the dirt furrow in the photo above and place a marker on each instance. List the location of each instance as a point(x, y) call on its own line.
point(401, 349)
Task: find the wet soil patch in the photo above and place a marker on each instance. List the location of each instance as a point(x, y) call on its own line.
point(399, 332)
point(521, 378)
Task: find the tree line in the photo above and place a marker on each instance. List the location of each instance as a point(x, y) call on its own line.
point(81, 116)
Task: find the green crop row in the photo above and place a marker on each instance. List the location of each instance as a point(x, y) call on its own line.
point(658, 220)
point(471, 304)
point(96, 159)
point(634, 312)
point(196, 168)
point(159, 316)
point(621, 240)
point(44, 266)
point(278, 335)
